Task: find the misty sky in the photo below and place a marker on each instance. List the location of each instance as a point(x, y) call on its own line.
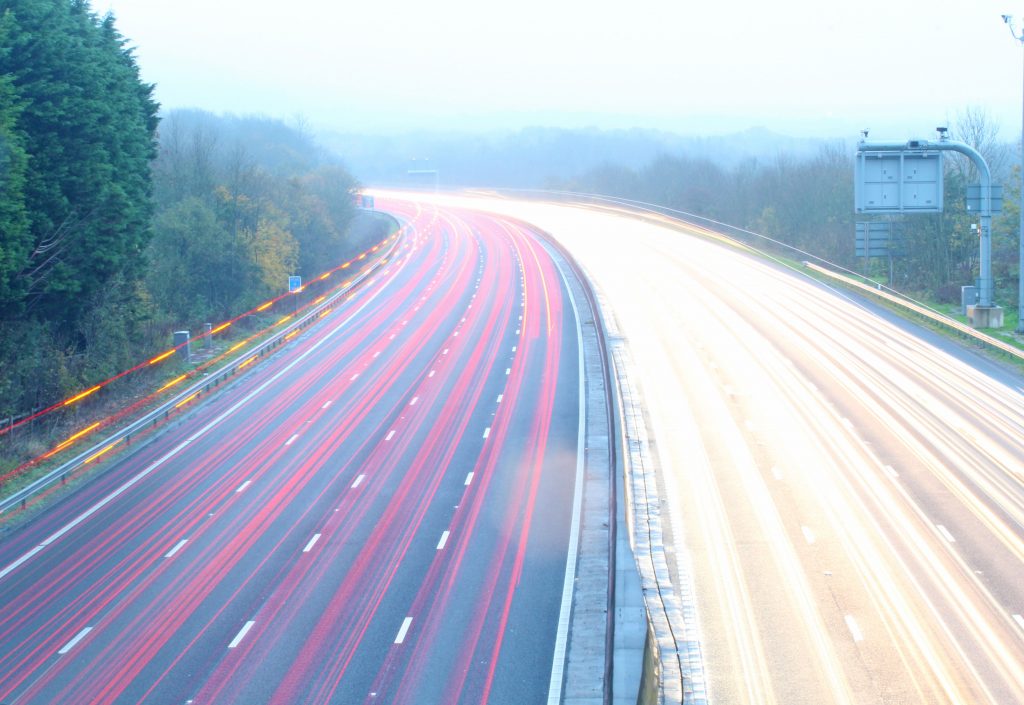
point(811, 67)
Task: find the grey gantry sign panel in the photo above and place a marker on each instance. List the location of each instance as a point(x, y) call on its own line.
point(974, 198)
point(877, 239)
point(898, 182)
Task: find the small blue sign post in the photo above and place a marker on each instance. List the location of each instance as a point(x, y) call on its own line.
point(294, 284)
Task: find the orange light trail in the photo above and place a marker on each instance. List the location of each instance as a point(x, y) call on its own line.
point(162, 356)
point(83, 395)
point(102, 452)
point(324, 275)
point(345, 266)
point(72, 439)
point(186, 400)
point(172, 383)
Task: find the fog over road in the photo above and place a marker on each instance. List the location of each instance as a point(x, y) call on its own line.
point(378, 513)
point(845, 488)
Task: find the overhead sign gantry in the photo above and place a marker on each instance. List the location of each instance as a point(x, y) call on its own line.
point(906, 177)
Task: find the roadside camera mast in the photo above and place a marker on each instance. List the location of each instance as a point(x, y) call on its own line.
point(906, 177)
point(1020, 275)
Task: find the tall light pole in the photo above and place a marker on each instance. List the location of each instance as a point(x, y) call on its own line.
point(1020, 273)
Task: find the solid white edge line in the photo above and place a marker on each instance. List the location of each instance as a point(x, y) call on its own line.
point(565, 612)
point(77, 638)
point(443, 541)
point(135, 479)
point(406, 623)
point(854, 628)
point(312, 542)
point(359, 481)
point(177, 547)
point(241, 634)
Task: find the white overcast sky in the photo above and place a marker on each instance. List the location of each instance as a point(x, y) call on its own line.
point(815, 67)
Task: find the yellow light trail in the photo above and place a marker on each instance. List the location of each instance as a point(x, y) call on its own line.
point(72, 439)
point(83, 395)
point(239, 345)
point(219, 328)
point(265, 306)
point(162, 356)
point(186, 400)
point(283, 320)
point(292, 334)
point(102, 452)
point(316, 301)
point(248, 362)
point(324, 275)
point(173, 382)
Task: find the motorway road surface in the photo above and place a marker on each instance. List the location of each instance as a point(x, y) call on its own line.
point(378, 514)
point(845, 488)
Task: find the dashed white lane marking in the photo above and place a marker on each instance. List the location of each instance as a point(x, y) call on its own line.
point(776, 472)
point(241, 634)
point(406, 623)
point(443, 541)
point(241, 487)
point(518, 331)
point(891, 472)
point(487, 432)
point(312, 542)
point(854, 628)
point(359, 481)
point(520, 318)
point(749, 425)
point(391, 434)
point(508, 370)
point(1019, 620)
point(500, 397)
point(431, 373)
point(514, 348)
point(414, 400)
point(376, 354)
point(808, 534)
point(177, 547)
point(353, 377)
point(945, 533)
point(77, 638)
point(445, 351)
point(326, 404)
point(455, 334)
point(846, 422)
point(469, 478)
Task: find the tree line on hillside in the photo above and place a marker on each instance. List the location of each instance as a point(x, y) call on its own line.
point(118, 226)
point(807, 203)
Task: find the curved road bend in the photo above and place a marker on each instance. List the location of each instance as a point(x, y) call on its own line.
point(377, 514)
point(846, 489)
